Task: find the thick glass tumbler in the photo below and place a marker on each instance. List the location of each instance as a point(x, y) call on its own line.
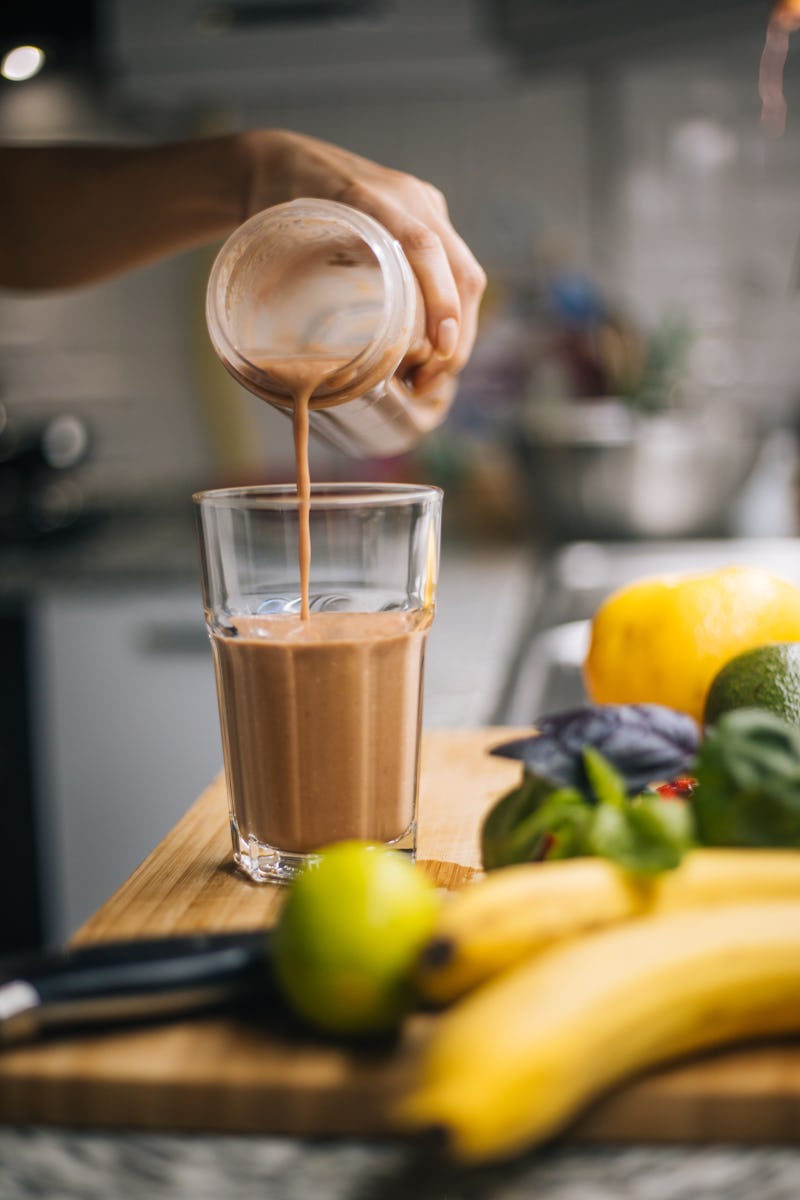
point(320, 717)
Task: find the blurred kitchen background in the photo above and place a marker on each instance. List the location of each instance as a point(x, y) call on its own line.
point(634, 396)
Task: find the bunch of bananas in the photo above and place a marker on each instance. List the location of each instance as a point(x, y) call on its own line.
point(565, 978)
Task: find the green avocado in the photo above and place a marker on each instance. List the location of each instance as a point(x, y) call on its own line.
point(765, 677)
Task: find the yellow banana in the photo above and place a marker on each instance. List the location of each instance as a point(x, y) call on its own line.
point(512, 1064)
point(508, 914)
point(494, 921)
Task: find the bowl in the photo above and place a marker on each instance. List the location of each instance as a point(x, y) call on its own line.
point(601, 470)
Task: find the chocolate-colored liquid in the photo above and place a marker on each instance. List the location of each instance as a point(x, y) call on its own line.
point(320, 722)
point(784, 19)
point(301, 377)
point(320, 714)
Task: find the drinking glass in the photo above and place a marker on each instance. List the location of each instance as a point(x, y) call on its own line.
point(320, 717)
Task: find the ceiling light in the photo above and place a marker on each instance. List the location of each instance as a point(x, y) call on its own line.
point(23, 62)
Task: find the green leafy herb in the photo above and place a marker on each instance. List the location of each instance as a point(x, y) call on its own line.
point(748, 781)
point(584, 792)
point(605, 782)
point(538, 820)
point(522, 825)
point(643, 743)
point(645, 835)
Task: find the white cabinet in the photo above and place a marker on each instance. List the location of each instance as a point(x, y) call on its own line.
point(125, 735)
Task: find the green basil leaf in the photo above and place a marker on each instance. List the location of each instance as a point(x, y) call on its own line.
point(565, 821)
point(748, 782)
point(607, 784)
point(526, 823)
point(638, 836)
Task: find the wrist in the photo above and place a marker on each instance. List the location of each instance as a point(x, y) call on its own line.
point(263, 159)
point(219, 174)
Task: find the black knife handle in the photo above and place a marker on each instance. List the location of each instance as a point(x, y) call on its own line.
point(109, 981)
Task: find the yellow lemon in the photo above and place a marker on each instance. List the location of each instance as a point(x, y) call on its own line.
point(662, 640)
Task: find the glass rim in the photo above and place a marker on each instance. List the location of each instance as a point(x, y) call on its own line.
point(335, 495)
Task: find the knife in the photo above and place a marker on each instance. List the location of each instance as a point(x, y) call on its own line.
point(130, 980)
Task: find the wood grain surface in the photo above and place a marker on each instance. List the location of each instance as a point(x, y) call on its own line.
point(254, 1072)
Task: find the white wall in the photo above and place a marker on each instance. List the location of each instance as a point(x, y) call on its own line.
point(707, 220)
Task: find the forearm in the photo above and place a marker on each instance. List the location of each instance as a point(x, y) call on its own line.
point(71, 215)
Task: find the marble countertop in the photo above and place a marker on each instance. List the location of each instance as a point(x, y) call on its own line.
point(94, 1166)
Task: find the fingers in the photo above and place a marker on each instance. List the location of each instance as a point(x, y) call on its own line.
point(427, 258)
point(470, 281)
point(450, 279)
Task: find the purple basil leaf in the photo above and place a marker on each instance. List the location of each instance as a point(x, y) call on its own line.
point(645, 743)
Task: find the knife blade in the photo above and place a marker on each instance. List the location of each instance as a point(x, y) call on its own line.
point(108, 982)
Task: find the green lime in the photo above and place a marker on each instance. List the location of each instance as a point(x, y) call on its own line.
point(766, 677)
point(349, 935)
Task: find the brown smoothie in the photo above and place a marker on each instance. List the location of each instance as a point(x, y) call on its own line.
point(320, 722)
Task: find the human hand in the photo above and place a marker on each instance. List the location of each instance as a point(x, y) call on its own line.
point(282, 165)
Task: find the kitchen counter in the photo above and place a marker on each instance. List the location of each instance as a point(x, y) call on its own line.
point(92, 1166)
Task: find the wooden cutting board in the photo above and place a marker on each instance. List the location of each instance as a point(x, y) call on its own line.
point(231, 1073)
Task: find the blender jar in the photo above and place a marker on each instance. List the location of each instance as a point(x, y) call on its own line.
point(315, 279)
